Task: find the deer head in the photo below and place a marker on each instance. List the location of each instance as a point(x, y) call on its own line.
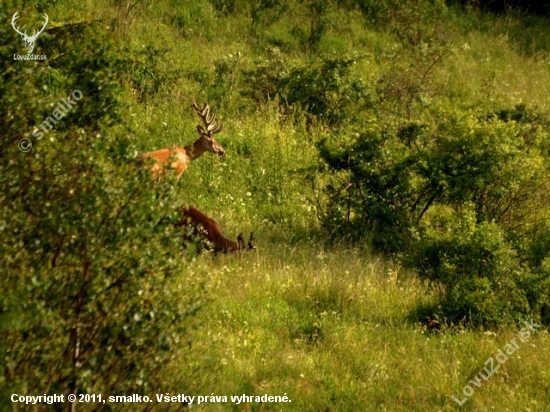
point(206, 143)
point(29, 40)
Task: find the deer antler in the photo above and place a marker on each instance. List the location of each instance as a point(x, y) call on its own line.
point(35, 33)
point(209, 120)
point(13, 19)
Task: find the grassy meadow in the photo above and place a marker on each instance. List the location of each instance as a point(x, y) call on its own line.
point(333, 330)
point(327, 320)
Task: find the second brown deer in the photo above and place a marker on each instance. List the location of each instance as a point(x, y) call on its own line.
point(208, 229)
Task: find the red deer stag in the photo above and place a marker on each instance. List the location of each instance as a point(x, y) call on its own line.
point(179, 158)
point(207, 228)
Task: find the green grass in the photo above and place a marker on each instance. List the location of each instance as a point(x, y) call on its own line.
point(329, 326)
point(331, 329)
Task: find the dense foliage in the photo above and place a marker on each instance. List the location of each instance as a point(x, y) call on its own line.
point(459, 196)
point(89, 300)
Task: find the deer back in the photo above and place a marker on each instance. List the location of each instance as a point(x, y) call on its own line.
point(208, 228)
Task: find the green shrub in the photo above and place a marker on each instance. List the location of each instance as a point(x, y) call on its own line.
point(371, 190)
point(327, 90)
point(476, 271)
point(144, 72)
point(89, 301)
point(537, 288)
point(389, 182)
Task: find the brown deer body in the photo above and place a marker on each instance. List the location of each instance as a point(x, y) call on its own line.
point(209, 229)
point(178, 158)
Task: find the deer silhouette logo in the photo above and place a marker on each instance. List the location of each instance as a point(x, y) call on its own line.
point(29, 40)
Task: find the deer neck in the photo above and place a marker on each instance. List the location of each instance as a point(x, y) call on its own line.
point(195, 150)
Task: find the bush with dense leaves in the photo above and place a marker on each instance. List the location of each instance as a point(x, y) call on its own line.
point(326, 90)
point(90, 301)
point(489, 168)
point(475, 269)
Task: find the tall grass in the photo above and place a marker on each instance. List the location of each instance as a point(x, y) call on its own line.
point(331, 329)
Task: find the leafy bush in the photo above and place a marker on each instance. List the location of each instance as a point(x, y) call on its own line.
point(487, 170)
point(144, 72)
point(265, 80)
point(89, 300)
point(371, 191)
point(474, 268)
point(326, 90)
